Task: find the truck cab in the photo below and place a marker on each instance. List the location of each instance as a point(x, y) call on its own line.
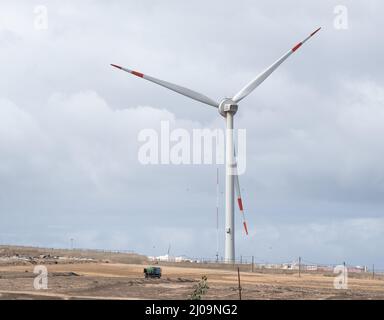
point(152, 272)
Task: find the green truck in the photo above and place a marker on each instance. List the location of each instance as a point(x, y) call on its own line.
point(152, 272)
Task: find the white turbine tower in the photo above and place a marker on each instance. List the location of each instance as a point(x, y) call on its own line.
point(227, 108)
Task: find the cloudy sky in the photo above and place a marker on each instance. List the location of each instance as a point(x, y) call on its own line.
point(314, 184)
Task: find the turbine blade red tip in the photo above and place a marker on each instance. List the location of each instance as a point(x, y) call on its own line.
point(138, 74)
point(297, 46)
point(116, 66)
point(245, 227)
point(240, 202)
point(313, 33)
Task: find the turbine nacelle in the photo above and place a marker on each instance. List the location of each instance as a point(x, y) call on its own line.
point(227, 105)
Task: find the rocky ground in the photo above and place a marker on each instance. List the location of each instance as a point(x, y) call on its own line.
point(98, 275)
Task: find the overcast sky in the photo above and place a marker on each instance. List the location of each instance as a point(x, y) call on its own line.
point(314, 184)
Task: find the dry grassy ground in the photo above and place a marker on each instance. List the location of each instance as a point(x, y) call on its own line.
point(124, 280)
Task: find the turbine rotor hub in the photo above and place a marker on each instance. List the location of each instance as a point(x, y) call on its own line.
point(227, 105)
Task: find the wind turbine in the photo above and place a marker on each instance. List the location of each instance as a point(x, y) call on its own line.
point(227, 108)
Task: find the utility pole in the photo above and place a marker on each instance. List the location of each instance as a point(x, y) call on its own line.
point(344, 271)
point(253, 262)
point(72, 243)
point(299, 267)
point(373, 271)
point(238, 278)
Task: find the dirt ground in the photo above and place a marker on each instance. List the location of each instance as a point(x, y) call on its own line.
point(101, 279)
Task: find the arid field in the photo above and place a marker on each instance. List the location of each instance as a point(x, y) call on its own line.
point(97, 275)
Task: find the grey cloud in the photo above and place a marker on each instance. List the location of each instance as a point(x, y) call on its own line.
point(69, 124)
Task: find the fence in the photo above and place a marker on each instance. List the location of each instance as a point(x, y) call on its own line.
point(252, 263)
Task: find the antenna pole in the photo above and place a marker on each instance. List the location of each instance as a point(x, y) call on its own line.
point(217, 214)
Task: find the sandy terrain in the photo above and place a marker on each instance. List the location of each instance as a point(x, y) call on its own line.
point(113, 280)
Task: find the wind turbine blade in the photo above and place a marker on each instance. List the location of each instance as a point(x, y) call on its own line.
point(174, 87)
point(240, 203)
point(239, 199)
point(267, 72)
